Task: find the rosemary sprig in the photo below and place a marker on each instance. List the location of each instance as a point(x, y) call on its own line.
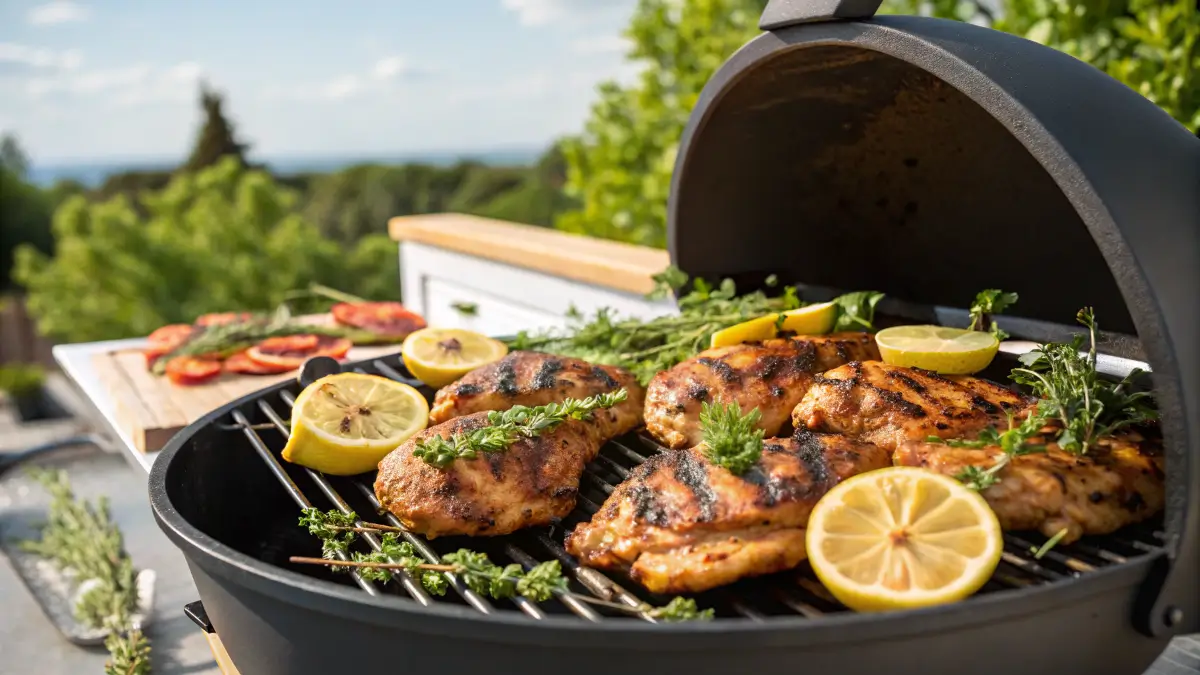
point(1073, 393)
point(988, 303)
point(233, 337)
point(82, 538)
point(731, 440)
point(1014, 442)
point(1040, 552)
point(478, 572)
point(505, 427)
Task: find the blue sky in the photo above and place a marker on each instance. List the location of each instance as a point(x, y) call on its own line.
point(117, 79)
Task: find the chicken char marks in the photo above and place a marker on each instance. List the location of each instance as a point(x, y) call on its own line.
point(533, 482)
point(682, 524)
point(888, 405)
point(771, 376)
point(533, 379)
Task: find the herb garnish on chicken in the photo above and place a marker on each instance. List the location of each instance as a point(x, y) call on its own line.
point(988, 303)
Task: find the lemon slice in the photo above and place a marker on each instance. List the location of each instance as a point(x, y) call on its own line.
point(902, 538)
point(344, 424)
point(952, 351)
point(439, 356)
point(811, 320)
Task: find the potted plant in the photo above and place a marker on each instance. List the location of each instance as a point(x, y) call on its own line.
point(23, 384)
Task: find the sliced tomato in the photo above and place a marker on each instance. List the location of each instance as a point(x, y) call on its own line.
point(292, 351)
point(386, 319)
point(188, 370)
point(170, 337)
point(242, 364)
point(222, 318)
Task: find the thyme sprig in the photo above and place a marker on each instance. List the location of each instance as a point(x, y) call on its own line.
point(731, 439)
point(1014, 442)
point(538, 584)
point(505, 427)
point(225, 339)
point(82, 537)
point(1072, 393)
point(988, 303)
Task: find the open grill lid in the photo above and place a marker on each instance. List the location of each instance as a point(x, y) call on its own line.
point(930, 159)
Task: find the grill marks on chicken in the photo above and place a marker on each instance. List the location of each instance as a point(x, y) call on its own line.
point(533, 379)
point(533, 482)
point(682, 524)
point(1119, 482)
point(772, 376)
point(888, 405)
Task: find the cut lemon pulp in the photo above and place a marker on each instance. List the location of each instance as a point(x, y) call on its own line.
point(902, 538)
point(951, 351)
point(810, 320)
point(439, 356)
point(344, 424)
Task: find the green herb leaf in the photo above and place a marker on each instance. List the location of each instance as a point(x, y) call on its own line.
point(988, 303)
point(731, 439)
point(681, 609)
point(542, 582)
point(1014, 442)
point(465, 308)
point(856, 311)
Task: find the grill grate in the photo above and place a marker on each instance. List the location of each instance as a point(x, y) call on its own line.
point(788, 593)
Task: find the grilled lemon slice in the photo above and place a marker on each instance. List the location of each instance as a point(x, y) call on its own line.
point(810, 320)
point(902, 538)
point(344, 424)
point(439, 356)
point(951, 351)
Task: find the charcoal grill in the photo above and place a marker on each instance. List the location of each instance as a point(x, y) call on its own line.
point(842, 151)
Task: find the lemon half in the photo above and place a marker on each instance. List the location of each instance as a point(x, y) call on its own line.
point(810, 320)
point(439, 356)
point(902, 538)
point(951, 351)
point(344, 424)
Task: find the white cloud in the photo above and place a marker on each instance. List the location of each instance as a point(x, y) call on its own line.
point(601, 44)
point(377, 79)
point(346, 85)
point(542, 12)
point(59, 11)
point(390, 67)
point(130, 85)
point(36, 57)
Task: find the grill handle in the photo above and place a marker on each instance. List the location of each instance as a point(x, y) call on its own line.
point(316, 368)
point(784, 13)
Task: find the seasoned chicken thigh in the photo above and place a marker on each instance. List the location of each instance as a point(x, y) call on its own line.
point(887, 405)
point(533, 379)
point(683, 524)
point(771, 376)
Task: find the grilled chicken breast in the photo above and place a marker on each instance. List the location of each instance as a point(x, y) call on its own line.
point(772, 376)
point(534, 378)
point(531, 483)
point(1118, 482)
point(683, 524)
point(888, 405)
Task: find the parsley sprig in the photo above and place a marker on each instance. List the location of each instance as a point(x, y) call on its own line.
point(538, 584)
point(1014, 442)
point(856, 311)
point(731, 439)
point(988, 303)
point(505, 427)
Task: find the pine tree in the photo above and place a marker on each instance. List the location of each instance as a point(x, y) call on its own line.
point(216, 139)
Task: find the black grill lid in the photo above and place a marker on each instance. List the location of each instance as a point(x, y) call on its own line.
point(930, 159)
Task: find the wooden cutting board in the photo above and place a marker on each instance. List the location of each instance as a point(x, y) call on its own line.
point(150, 409)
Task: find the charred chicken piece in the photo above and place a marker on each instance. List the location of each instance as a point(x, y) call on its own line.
point(771, 375)
point(532, 482)
point(682, 524)
point(533, 379)
point(1119, 481)
point(888, 405)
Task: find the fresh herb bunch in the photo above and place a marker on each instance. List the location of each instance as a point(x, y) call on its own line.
point(477, 571)
point(84, 539)
point(649, 346)
point(988, 303)
point(505, 427)
point(1014, 442)
point(1073, 394)
point(731, 439)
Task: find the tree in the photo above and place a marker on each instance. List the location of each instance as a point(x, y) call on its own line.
point(225, 238)
point(620, 168)
point(216, 139)
point(12, 157)
point(24, 219)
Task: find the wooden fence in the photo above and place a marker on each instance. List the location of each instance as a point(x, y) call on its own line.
point(19, 339)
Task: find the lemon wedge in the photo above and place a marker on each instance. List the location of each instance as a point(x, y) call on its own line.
point(810, 320)
point(344, 424)
point(902, 538)
point(439, 356)
point(951, 351)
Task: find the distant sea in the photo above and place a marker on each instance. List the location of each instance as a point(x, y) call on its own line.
point(92, 174)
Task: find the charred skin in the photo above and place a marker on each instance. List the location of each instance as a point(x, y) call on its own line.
point(771, 376)
point(533, 379)
point(888, 405)
point(1119, 482)
point(682, 524)
point(533, 482)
